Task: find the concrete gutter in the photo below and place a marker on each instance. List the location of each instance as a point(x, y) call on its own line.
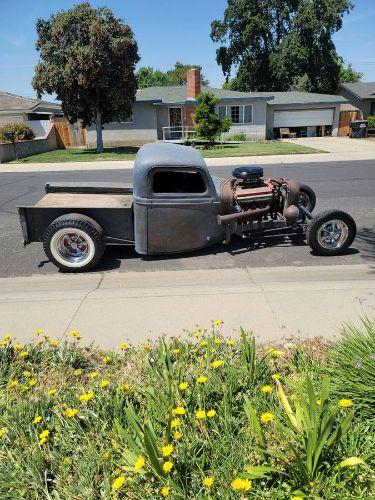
point(214, 162)
point(111, 307)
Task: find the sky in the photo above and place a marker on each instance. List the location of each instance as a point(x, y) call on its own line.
point(166, 31)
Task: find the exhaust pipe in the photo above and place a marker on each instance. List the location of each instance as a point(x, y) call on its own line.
point(242, 216)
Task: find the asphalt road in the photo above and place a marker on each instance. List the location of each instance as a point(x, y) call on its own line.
point(349, 186)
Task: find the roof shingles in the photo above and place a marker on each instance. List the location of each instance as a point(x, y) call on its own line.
point(364, 90)
point(11, 102)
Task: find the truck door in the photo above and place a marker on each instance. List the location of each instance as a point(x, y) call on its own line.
point(181, 211)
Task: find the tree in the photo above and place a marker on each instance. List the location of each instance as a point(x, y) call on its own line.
point(150, 77)
point(348, 74)
point(87, 58)
point(280, 44)
point(209, 125)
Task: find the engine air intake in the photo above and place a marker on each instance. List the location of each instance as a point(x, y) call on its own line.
point(248, 173)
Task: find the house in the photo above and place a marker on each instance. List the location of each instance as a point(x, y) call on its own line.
point(32, 112)
point(166, 113)
point(361, 95)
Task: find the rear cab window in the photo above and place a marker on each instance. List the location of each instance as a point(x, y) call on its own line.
point(181, 181)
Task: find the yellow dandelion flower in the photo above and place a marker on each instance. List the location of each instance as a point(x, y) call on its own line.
point(106, 359)
point(7, 336)
point(26, 374)
point(345, 403)
point(104, 383)
point(177, 435)
point(123, 346)
point(38, 332)
point(183, 386)
point(118, 483)
point(4, 343)
point(231, 342)
point(139, 463)
point(24, 388)
point(241, 485)
point(105, 455)
point(218, 340)
point(208, 481)
point(176, 351)
point(24, 354)
point(266, 389)
point(51, 392)
point(274, 352)
point(202, 379)
point(126, 388)
point(267, 417)
point(70, 412)
point(86, 397)
point(180, 410)
point(167, 466)
point(204, 343)
point(211, 413)
point(44, 434)
point(194, 351)
point(78, 372)
point(75, 333)
point(276, 376)
point(175, 423)
point(53, 343)
point(218, 322)
point(167, 450)
point(147, 347)
point(12, 383)
point(37, 419)
point(165, 491)
point(217, 363)
point(94, 375)
point(318, 402)
point(17, 347)
point(3, 431)
point(200, 414)
point(32, 382)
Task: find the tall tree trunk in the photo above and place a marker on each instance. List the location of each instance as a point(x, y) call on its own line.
point(99, 133)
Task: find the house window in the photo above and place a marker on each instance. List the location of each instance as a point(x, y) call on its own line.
point(372, 110)
point(167, 181)
point(238, 114)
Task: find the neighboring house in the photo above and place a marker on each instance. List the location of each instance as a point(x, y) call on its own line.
point(33, 112)
point(361, 95)
point(166, 113)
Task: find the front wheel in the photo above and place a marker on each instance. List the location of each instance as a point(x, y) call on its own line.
point(74, 243)
point(331, 232)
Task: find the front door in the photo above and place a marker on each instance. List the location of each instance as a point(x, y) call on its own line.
point(175, 123)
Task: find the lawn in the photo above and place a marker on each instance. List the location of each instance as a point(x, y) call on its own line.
point(204, 416)
point(129, 152)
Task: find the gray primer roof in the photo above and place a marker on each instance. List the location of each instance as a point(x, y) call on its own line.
point(177, 95)
point(162, 154)
point(364, 90)
point(12, 102)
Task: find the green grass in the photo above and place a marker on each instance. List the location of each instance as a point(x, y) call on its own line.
point(129, 152)
point(116, 437)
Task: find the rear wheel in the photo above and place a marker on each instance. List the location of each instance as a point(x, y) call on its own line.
point(331, 232)
point(74, 243)
point(307, 197)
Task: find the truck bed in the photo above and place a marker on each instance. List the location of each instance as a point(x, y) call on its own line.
point(78, 200)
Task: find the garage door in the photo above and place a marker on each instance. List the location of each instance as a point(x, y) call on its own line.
point(303, 118)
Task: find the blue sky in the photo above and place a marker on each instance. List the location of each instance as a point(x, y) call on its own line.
point(166, 31)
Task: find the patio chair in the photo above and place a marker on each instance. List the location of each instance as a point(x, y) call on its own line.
point(285, 132)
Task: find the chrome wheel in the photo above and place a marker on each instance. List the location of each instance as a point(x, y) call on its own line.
point(332, 234)
point(72, 247)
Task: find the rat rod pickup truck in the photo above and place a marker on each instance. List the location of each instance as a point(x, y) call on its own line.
point(175, 206)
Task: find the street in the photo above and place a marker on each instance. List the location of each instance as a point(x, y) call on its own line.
point(349, 186)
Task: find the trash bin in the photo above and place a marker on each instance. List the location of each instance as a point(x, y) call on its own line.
point(358, 129)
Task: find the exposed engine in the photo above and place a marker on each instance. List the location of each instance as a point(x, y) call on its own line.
point(250, 190)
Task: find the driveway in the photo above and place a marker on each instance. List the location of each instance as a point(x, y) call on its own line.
point(336, 144)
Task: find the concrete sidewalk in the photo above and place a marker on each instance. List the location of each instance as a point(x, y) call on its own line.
point(111, 307)
point(357, 155)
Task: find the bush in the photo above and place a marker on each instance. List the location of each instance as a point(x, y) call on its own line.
point(18, 131)
point(353, 366)
point(371, 121)
point(238, 137)
point(209, 125)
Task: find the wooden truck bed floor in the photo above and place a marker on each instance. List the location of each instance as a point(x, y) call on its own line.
point(80, 200)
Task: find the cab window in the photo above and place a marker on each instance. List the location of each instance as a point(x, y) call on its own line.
point(184, 181)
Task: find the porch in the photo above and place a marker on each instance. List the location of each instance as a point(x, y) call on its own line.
point(175, 123)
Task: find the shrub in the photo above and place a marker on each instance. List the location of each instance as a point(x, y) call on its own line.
point(209, 125)
point(18, 131)
point(371, 121)
point(352, 366)
point(239, 137)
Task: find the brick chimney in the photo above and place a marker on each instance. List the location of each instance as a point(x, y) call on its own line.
point(193, 83)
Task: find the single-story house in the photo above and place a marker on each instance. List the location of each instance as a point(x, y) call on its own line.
point(166, 113)
point(33, 112)
point(361, 95)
